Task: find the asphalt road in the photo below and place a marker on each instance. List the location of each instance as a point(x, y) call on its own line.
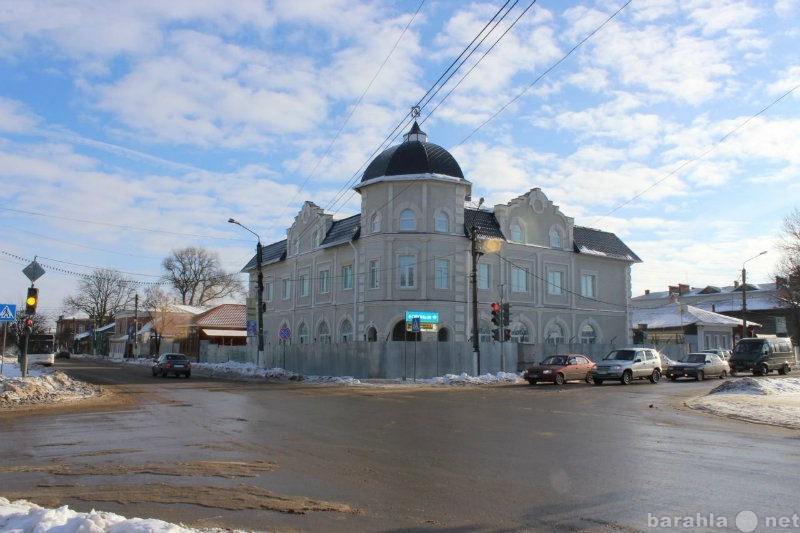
point(316, 458)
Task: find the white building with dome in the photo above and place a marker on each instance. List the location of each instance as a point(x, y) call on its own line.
point(335, 282)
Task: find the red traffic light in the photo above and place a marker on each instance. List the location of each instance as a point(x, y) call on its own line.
point(495, 306)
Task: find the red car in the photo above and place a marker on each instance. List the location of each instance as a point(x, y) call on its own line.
point(559, 369)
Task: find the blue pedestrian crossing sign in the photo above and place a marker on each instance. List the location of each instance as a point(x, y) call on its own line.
point(8, 312)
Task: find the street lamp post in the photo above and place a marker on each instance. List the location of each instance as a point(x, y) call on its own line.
point(259, 290)
point(744, 295)
point(476, 348)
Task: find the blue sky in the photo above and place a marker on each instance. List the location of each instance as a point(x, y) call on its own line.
point(129, 129)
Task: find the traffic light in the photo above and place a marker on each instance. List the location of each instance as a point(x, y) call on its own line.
point(497, 321)
point(31, 300)
point(28, 326)
point(506, 314)
point(507, 334)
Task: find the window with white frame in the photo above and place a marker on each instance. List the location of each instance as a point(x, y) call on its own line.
point(555, 282)
point(588, 334)
point(347, 277)
point(375, 223)
point(324, 333)
point(407, 264)
point(303, 282)
point(519, 280)
point(555, 334)
point(516, 232)
point(324, 281)
point(302, 333)
point(374, 273)
point(346, 331)
point(556, 239)
point(442, 278)
point(408, 220)
point(483, 276)
point(268, 291)
point(287, 289)
point(588, 285)
point(442, 222)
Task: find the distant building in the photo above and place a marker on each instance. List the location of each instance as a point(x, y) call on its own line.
point(768, 311)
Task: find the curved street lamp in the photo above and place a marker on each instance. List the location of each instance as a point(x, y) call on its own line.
point(260, 291)
point(744, 294)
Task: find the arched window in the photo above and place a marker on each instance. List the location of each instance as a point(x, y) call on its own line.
point(588, 334)
point(302, 333)
point(346, 331)
point(372, 334)
point(556, 239)
point(519, 333)
point(324, 333)
point(555, 334)
point(443, 335)
point(516, 232)
point(408, 221)
point(375, 223)
point(442, 222)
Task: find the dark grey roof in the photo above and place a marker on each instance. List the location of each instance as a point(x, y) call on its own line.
point(413, 157)
point(271, 253)
point(343, 231)
point(602, 243)
point(485, 223)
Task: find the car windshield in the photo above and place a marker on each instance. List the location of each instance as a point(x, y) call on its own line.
point(555, 360)
point(621, 355)
point(748, 347)
point(695, 358)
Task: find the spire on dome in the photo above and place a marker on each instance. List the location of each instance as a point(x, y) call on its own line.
point(415, 134)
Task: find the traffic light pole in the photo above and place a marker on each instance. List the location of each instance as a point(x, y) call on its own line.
point(476, 348)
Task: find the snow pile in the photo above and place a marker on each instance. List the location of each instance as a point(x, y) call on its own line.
point(772, 401)
point(43, 388)
point(465, 379)
point(24, 517)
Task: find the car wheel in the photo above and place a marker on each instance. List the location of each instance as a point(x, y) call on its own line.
point(589, 379)
point(154, 372)
point(763, 370)
point(655, 377)
point(560, 379)
point(532, 381)
point(163, 373)
point(627, 377)
point(723, 375)
point(597, 381)
point(783, 370)
point(700, 375)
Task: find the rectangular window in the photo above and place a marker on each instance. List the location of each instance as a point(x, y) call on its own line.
point(483, 276)
point(268, 291)
point(407, 264)
point(519, 280)
point(442, 274)
point(588, 285)
point(555, 282)
point(303, 285)
point(287, 289)
point(347, 277)
point(374, 273)
point(324, 281)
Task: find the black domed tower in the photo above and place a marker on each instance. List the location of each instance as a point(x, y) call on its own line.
point(413, 176)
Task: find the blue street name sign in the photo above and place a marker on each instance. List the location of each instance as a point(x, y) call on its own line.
point(429, 317)
point(8, 312)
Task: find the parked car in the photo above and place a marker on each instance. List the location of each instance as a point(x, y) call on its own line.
point(559, 369)
point(627, 364)
point(699, 366)
point(724, 354)
point(62, 354)
point(172, 363)
point(762, 356)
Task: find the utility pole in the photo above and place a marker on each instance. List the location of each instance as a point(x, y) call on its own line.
point(476, 348)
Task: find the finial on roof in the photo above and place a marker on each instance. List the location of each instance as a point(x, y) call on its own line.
point(415, 134)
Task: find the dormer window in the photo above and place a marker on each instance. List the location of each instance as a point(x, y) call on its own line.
point(556, 239)
point(516, 232)
point(375, 223)
point(408, 220)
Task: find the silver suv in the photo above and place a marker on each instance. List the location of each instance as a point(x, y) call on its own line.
point(627, 364)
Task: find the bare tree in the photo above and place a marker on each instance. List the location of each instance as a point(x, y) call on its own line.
point(196, 275)
point(788, 275)
point(102, 295)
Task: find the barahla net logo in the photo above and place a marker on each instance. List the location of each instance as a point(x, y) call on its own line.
point(745, 521)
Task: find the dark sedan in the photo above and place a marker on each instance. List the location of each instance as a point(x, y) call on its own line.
point(172, 363)
point(699, 366)
point(559, 369)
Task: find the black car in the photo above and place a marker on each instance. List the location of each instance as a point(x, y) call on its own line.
point(172, 363)
point(62, 354)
